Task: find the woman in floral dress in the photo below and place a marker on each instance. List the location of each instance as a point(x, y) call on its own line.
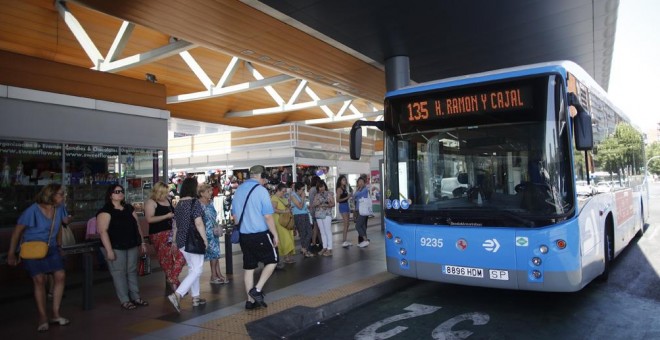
point(205, 192)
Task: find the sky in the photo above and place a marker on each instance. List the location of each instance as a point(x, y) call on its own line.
point(635, 73)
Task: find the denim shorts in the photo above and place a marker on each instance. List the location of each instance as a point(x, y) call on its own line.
point(344, 208)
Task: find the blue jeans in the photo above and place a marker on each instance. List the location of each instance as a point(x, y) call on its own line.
point(124, 274)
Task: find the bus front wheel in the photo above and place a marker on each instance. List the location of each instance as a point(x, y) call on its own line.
point(608, 248)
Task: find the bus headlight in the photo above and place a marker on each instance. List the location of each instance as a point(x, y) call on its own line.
point(404, 263)
point(403, 251)
point(536, 274)
point(543, 249)
point(536, 261)
point(397, 240)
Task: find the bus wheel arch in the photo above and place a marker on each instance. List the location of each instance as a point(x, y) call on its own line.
point(608, 247)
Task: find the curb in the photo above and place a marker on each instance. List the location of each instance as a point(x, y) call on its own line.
point(293, 321)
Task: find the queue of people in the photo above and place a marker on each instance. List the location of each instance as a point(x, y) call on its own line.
point(264, 236)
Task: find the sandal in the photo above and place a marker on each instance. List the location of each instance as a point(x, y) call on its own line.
point(61, 321)
point(140, 302)
point(223, 280)
point(128, 305)
point(43, 327)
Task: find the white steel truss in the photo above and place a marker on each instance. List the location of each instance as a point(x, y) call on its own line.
point(111, 63)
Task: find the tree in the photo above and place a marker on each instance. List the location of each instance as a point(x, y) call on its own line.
point(653, 150)
point(610, 155)
point(631, 145)
point(621, 152)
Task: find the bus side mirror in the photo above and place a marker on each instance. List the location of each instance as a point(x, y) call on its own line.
point(584, 136)
point(356, 142)
point(355, 147)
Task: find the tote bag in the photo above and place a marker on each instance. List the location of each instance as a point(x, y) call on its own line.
point(366, 206)
point(67, 236)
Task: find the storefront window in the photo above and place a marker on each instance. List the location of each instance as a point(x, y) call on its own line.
point(139, 169)
point(26, 166)
point(87, 171)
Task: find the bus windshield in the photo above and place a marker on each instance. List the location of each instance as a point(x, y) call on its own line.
point(510, 168)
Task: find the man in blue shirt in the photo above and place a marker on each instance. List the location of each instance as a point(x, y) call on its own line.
point(258, 234)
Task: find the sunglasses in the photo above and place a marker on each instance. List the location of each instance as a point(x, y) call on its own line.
point(118, 192)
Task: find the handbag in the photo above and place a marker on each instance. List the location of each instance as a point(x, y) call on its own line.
point(217, 230)
point(287, 221)
point(67, 236)
point(236, 232)
point(144, 265)
point(36, 250)
point(194, 241)
point(365, 206)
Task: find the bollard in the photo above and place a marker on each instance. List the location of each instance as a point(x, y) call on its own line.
point(228, 250)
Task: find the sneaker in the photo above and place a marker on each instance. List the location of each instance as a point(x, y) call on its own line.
point(250, 305)
point(346, 244)
point(198, 301)
point(258, 297)
point(175, 301)
point(363, 244)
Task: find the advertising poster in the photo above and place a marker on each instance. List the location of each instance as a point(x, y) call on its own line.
point(374, 189)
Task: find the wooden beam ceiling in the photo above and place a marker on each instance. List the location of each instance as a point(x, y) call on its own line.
point(220, 32)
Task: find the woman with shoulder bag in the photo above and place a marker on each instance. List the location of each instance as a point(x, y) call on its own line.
point(301, 218)
point(41, 222)
point(121, 236)
point(324, 201)
point(213, 232)
point(362, 191)
point(188, 219)
point(287, 246)
point(159, 213)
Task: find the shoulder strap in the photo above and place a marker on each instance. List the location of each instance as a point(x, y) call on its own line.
point(240, 220)
point(192, 208)
point(52, 225)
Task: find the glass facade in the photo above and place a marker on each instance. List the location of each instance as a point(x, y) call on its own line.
point(86, 170)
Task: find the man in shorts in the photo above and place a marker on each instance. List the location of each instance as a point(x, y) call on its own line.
point(258, 234)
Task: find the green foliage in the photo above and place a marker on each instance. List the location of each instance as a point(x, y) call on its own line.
point(653, 150)
point(621, 151)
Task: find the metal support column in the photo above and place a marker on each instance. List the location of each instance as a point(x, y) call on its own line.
point(397, 72)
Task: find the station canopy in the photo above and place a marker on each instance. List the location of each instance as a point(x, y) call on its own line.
point(259, 63)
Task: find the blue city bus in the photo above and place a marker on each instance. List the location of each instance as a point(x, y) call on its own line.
point(480, 174)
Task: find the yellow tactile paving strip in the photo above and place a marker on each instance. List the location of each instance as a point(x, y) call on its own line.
point(233, 326)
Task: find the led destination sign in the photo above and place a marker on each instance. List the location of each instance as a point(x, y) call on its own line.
point(446, 105)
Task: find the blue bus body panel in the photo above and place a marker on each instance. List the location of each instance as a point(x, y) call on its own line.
point(498, 257)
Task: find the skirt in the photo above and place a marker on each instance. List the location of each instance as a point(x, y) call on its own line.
point(49, 264)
